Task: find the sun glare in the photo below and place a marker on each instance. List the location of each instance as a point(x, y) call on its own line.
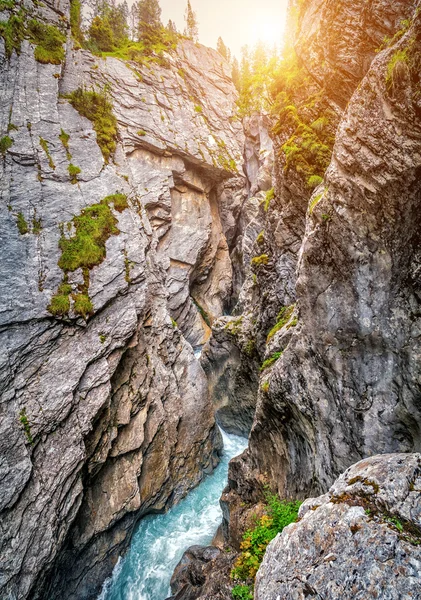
point(266, 31)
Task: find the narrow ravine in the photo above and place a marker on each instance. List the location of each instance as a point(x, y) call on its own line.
point(159, 542)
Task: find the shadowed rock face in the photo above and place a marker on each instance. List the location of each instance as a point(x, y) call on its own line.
point(360, 540)
point(106, 419)
point(347, 385)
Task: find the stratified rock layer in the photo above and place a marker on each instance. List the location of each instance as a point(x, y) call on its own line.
point(361, 540)
point(105, 419)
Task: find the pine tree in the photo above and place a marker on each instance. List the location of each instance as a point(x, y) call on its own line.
point(236, 73)
point(192, 29)
point(101, 34)
point(148, 21)
point(172, 28)
point(223, 50)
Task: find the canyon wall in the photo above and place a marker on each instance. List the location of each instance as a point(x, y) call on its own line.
point(116, 261)
point(342, 381)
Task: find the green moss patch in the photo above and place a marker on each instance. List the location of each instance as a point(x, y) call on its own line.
point(13, 32)
point(271, 361)
point(97, 107)
point(49, 42)
point(283, 317)
point(5, 144)
point(85, 250)
point(22, 224)
point(73, 172)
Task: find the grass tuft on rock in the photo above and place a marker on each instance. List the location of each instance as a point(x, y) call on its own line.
point(271, 361)
point(283, 317)
point(49, 42)
point(278, 515)
point(73, 172)
point(97, 107)
point(22, 224)
point(5, 144)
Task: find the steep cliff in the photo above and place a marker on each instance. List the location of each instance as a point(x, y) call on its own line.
point(342, 382)
point(115, 264)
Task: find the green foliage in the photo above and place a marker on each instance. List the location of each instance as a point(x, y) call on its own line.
point(314, 181)
point(315, 202)
point(44, 145)
point(260, 238)
point(396, 67)
point(36, 226)
point(76, 20)
point(205, 316)
point(5, 143)
point(265, 387)
point(49, 42)
point(6, 5)
point(271, 361)
point(283, 317)
point(258, 261)
point(26, 426)
point(242, 592)
point(141, 132)
point(83, 305)
point(86, 249)
point(101, 34)
point(59, 305)
point(278, 515)
point(13, 32)
point(96, 107)
point(22, 224)
point(102, 338)
point(192, 30)
point(270, 195)
point(253, 78)
point(174, 323)
point(12, 127)
point(198, 109)
point(64, 139)
point(73, 172)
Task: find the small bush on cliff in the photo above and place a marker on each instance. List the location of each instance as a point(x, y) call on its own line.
point(242, 592)
point(271, 361)
point(282, 319)
point(49, 42)
point(96, 106)
point(13, 32)
point(5, 143)
point(255, 541)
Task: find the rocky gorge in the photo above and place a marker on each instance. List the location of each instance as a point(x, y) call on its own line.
point(181, 266)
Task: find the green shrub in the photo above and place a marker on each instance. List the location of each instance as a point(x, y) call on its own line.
point(86, 248)
point(26, 426)
point(36, 226)
point(83, 305)
point(13, 33)
point(119, 202)
point(73, 172)
point(282, 319)
point(174, 323)
point(242, 592)
point(96, 107)
point(198, 109)
point(314, 181)
point(59, 305)
point(261, 238)
point(141, 132)
point(64, 139)
point(49, 42)
point(5, 143)
point(44, 145)
point(255, 541)
point(76, 20)
point(22, 224)
point(270, 195)
point(257, 261)
point(271, 361)
point(397, 65)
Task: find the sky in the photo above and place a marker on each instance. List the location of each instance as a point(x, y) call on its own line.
point(238, 22)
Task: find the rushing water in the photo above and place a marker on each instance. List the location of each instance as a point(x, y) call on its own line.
point(160, 540)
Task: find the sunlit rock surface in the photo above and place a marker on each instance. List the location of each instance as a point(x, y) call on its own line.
point(360, 540)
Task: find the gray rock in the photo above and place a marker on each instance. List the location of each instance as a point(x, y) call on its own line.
point(361, 540)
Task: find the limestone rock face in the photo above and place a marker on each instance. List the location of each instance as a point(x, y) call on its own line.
point(106, 418)
point(360, 540)
point(347, 385)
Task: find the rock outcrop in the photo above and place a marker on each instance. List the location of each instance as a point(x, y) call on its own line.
point(105, 413)
point(346, 385)
point(360, 540)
